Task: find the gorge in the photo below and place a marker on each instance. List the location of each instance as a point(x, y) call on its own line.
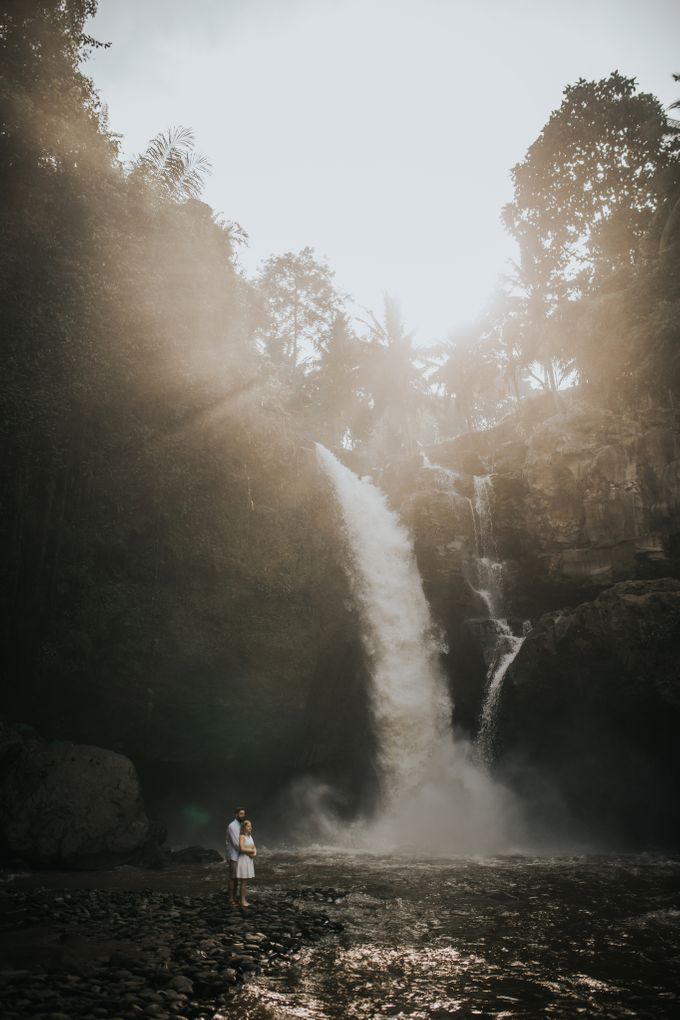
point(527, 522)
point(403, 590)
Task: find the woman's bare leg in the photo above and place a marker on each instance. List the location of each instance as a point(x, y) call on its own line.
point(244, 889)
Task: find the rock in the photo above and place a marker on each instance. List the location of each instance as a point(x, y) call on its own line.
point(254, 633)
point(582, 497)
point(69, 805)
point(590, 708)
point(196, 855)
point(181, 984)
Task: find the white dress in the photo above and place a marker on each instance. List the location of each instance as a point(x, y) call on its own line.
point(245, 867)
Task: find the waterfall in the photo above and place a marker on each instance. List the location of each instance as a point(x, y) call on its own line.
point(490, 587)
point(434, 792)
point(489, 568)
point(487, 583)
point(408, 700)
point(507, 647)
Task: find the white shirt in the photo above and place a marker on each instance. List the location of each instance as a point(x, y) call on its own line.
point(233, 837)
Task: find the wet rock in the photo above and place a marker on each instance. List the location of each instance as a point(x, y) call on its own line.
point(192, 969)
point(196, 855)
point(182, 984)
point(318, 895)
point(69, 805)
point(590, 709)
point(582, 497)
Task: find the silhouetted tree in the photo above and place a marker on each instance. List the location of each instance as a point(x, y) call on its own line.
point(586, 192)
point(338, 410)
point(298, 304)
point(585, 199)
point(171, 164)
point(393, 381)
point(471, 376)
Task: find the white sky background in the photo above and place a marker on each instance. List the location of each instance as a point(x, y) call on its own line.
point(379, 132)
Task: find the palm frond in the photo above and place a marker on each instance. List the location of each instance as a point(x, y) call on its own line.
point(172, 163)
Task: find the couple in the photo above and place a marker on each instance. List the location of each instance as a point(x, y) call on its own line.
point(240, 853)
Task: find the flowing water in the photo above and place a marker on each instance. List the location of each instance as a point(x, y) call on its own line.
point(432, 929)
point(486, 578)
point(424, 773)
point(507, 937)
point(506, 644)
point(410, 709)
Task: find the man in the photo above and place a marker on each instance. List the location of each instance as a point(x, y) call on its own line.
point(233, 836)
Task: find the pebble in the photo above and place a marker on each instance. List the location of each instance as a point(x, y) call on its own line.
point(147, 954)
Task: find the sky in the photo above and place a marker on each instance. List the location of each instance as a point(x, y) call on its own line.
point(379, 132)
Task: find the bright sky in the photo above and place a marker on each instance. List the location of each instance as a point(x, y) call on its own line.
point(379, 132)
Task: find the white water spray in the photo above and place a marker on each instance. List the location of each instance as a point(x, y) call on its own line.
point(436, 798)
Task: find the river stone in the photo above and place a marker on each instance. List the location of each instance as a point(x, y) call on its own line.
point(69, 804)
point(179, 983)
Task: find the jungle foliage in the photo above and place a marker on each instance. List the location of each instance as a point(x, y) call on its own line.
point(156, 400)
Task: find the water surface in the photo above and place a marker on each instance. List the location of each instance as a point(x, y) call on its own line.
point(507, 936)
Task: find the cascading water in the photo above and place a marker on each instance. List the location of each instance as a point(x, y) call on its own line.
point(432, 788)
point(490, 588)
point(409, 702)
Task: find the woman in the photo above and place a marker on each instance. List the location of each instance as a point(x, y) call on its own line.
point(245, 868)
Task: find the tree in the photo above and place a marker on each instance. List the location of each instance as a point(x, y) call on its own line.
point(585, 200)
point(586, 192)
point(337, 410)
point(171, 164)
point(669, 214)
point(393, 381)
point(51, 114)
point(471, 375)
point(298, 303)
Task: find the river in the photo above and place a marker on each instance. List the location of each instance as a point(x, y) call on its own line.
point(507, 936)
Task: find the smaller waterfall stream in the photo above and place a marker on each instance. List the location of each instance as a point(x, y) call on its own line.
point(490, 588)
point(433, 789)
point(486, 579)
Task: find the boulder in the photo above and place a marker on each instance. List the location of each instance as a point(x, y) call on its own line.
point(591, 705)
point(69, 805)
point(196, 855)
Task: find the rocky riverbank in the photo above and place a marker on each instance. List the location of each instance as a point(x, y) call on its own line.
point(128, 953)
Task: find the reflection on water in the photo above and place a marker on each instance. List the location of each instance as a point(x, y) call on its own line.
point(501, 937)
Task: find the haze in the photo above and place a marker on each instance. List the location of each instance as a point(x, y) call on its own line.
point(380, 133)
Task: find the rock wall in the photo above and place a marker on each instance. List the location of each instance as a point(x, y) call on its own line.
point(592, 705)
point(585, 510)
point(580, 498)
point(200, 624)
point(583, 497)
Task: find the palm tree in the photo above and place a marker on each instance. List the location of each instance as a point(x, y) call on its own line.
point(394, 383)
point(172, 164)
point(338, 409)
point(469, 373)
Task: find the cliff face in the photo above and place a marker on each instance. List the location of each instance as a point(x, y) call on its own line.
point(578, 498)
point(581, 498)
point(592, 705)
point(575, 500)
point(197, 619)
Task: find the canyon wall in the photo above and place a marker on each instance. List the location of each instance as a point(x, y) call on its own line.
point(581, 500)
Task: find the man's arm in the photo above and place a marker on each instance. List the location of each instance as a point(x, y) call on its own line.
point(232, 836)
